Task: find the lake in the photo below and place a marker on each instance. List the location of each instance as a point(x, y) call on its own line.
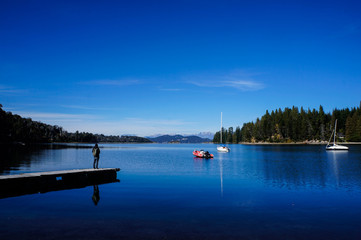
point(252, 192)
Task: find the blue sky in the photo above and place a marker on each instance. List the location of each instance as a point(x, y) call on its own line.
point(156, 67)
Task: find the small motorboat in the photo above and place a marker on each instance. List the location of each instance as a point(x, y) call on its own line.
point(202, 154)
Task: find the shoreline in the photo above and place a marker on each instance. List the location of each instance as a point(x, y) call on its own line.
point(297, 143)
point(86, 145)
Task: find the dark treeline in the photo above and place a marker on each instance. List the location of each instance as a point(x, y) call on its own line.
point(297, 125)
point(14, 128)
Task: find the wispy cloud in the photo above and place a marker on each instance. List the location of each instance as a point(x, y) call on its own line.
point(239, 80)
point(108, 82)
point(44, 116)
point(244, 85)
point(171, 89)
point(7, 90)
point(89, 108)
point(159, 122)
point(132, 126)
point(78, 107)
point(98, 124)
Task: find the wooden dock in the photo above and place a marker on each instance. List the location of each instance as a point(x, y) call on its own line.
point(41, 182)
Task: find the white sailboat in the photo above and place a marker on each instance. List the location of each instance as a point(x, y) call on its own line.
point(335, 146)
point(222, 148)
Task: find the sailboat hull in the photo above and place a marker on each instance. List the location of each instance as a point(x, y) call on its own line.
point(222, 149)
point(336, 147)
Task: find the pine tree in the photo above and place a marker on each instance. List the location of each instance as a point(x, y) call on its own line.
point(321, 122)
point(230, 135)
point(294, 125)
point(217, 137)
point(237, 135)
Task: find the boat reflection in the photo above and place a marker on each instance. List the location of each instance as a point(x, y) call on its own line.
point(335, 160)
point(202, 165)
point(290, 167)
point(313, 167)
point(220, 162)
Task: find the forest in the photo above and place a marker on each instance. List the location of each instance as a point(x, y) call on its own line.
point(297, 125)
point(15, 129)
point(280, 126)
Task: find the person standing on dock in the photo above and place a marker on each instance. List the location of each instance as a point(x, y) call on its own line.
point(96, 152)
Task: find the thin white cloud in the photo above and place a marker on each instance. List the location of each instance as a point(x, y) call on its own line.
point(245, 85)
point(238, 84)
point(132, 126)
point(171, 89)
point(108, 82)
point(78, 107)
point(238, 80)
point(53, 117)
point(7, 90)
point(159, 122)
point(126, 126)
point(89, 108)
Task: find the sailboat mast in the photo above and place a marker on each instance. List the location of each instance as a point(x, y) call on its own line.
point(334, 134)
point(221, 127)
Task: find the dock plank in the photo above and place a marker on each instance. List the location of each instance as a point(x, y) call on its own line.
point(41, 182)
point(61, 172)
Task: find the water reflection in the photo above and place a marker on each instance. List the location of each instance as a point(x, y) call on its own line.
point(96, 196)
point(343, 169)
point(267, 192)
point(288, 167)
point(13, 157)
point(220, 162)
point(17, 158)
point(202, 164)
point(307, 167)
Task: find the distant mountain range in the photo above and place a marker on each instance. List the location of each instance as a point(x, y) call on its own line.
point(209, 135)
point(179, 139)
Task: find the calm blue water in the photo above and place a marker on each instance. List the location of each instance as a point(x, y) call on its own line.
point(253, 192)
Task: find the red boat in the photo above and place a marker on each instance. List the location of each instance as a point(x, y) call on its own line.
point(202, 154)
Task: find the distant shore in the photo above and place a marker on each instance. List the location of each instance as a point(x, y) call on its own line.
point(90, 145)
point(299, 143)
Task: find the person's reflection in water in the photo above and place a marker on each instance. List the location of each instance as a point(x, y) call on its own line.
point(96, 196)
